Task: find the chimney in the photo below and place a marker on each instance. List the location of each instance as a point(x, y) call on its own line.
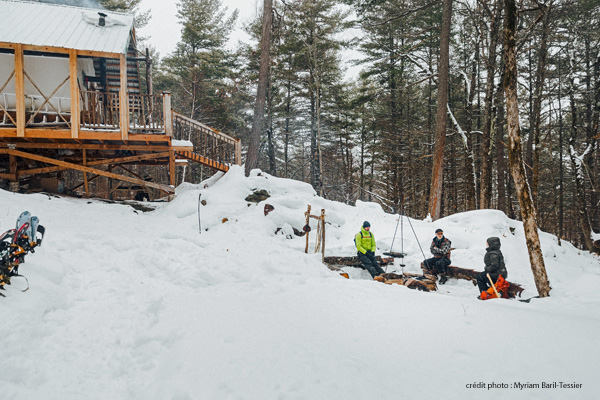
point(102, 20)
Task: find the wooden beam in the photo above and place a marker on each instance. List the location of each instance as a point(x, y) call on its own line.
point(203, 160)
point(74, 94)
point(18, 153)
point(29, 145)
point(48, 170)
point(123, 99)
point(85, 178)
point(60, 50)
point(20, 89)
point(7, 176)
point(44, 133)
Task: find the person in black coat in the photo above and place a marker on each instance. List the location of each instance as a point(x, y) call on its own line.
point(494, 265)
point(440, 248)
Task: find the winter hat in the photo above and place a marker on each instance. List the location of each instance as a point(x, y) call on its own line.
point(439, 231)
point(366, 224)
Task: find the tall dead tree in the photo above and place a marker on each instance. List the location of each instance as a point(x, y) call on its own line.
point(517, 167)
point(261, 91)
point(437, 177)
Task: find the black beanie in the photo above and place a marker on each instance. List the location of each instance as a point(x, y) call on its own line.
point(439, 230)
point(366, 224)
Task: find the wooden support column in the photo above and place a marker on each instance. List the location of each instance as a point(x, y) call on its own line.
point(167, 113)
point(85, 178)
point(110, 184)
point(20, 89)
point(123, 99)
point(238, 152)
point(172, 168)
point(14, 181)
point(74, 94)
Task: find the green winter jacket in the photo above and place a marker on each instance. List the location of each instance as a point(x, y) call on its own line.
point(365, 241)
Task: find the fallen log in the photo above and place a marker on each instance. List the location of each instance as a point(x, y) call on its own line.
point(411, 281)
point(354, 261)
point(471, 275)
point(338, 270)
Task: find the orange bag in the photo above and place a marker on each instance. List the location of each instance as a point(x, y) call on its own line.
point(501, 286)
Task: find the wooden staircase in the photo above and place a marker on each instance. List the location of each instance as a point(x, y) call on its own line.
point(211, 148)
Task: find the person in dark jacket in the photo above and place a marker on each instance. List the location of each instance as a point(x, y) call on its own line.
point(440, 248)
point(365, 246)
point(494, 265)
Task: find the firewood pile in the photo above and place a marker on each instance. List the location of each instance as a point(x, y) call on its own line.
point(425, 283)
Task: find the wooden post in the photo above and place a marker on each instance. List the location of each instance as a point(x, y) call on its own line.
point(307, 224)
point(74, 95)
point(238, 152)
point(14, 182)
point(110, 184)
point(123, 99)
point(172, 168)
point(20, 89)
point(85, 178)
point(167, 114)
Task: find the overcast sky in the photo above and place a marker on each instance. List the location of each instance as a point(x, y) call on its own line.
point(164, 30)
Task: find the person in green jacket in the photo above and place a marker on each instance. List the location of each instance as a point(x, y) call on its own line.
point(365, 245)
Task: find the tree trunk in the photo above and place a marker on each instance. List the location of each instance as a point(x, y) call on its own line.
point(503, 179)
point(537, 103)
point(437, 178)
point(485, 196)
point(470, 179)
point(517, 167)
point(577, 161)
point(261, 91)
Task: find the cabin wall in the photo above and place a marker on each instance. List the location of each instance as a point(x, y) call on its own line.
point(47, 73)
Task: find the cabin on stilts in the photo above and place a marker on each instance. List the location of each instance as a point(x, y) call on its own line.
point(71, 99)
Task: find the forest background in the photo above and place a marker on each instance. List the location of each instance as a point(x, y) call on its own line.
point(372, 137)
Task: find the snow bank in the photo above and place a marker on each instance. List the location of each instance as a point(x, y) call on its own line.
point(132, 305)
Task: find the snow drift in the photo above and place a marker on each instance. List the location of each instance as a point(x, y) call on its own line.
point(131, 305)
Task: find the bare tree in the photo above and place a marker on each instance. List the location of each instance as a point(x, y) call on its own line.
point(261, 91)
point(517, 167)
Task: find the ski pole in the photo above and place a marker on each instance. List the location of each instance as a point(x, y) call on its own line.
point(199, 222)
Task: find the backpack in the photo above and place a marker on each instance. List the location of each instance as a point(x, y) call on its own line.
point(361, 236)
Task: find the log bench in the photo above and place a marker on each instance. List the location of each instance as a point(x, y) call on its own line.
point(426, 282)
point(470, 275)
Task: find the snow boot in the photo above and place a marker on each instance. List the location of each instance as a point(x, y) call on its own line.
point(443, 279)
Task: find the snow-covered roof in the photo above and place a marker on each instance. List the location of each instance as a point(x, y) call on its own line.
point(42, 24)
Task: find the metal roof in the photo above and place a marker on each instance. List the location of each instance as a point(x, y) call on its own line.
point(42, 24)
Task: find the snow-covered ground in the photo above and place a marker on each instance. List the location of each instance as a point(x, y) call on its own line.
point(131, 305)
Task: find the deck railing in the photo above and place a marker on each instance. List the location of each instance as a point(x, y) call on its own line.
point(146, 113)
point(100, 110)
point(208, 142)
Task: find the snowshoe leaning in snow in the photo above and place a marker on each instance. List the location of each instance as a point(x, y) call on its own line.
point(16, 243)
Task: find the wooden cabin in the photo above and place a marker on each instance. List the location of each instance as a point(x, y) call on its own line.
point(71, 99)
